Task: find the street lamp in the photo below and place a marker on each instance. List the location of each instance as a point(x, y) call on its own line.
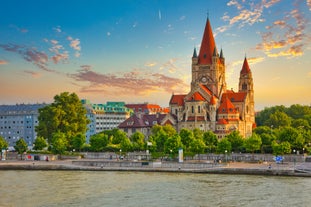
point(226, 156)
point(294, 158)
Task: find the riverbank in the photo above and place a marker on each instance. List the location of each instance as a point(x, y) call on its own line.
point(287, 169)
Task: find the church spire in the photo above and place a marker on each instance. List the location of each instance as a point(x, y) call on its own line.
point(195, 53)
point(207, 45)
point(245, 68)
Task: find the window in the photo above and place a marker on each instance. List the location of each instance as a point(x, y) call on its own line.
point(199, 109)
point(244, 86)
point(192, 109)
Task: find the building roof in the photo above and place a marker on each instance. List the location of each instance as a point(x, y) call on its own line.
point(196, 96)
point(213, 100)
point(245, 68)
point(226, 106)
point(147, 108)
point(207, 45)
point(20, 109)
point(235, 96)
point(142, 121)
point(222, 121)
point(177, 99)
point(206, 89)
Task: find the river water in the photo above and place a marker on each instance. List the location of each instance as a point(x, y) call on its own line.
point(102, 188)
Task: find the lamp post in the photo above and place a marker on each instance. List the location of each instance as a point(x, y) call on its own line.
point(120, 153)
point(226, 156)
point(294, 158)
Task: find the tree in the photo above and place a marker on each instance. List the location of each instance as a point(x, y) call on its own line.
point(3, 145)
point(40, 143)
point(125, 145)
point(172, 144)
point(253, 143)
point(138, 141)
point(210, 141)
point(236, 140)
point(223, 146)
point(292, 136)
point(21, 147)
point(197, 146)
point(118, 136)
point(66, 115)
point(281, 149)
point(187, 137)
point(98, 142)
point(78, 141)
point(278, 119)
point(59, 143)
point(169, 130)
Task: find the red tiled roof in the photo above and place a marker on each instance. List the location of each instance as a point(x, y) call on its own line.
point(213, 100)
point(245, 68)
point(196, 97)
point(207, 90)
point(207, 45)
point(146, 108)
point(226, 106)
point(222, 121)
point(177, 99)
point(235, 96)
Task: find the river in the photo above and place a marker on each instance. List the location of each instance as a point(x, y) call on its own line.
point(94, 188)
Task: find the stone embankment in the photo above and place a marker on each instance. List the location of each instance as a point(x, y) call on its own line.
point(286, 169)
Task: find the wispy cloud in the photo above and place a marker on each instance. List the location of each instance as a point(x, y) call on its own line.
point(32, 55)
point(309, 4)
point(160, 15)
point(75, 44)
point(250, 60)
point(57, 29)
point(22, 30)
point(32, 73)
point(3, 62)
point(136, 81)
point(287, 36)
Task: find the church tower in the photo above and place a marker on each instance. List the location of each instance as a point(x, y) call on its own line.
point(246, 84)
point(208, 68)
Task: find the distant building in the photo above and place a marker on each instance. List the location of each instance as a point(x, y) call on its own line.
point(144, 122)
point(19, 121)
point(105, 116)
point(147, 108)
point(210, 105)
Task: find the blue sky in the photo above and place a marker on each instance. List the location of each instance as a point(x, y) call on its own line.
point(140, 51)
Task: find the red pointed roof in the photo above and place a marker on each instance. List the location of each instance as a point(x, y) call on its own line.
point(245, 68)
point(213, 100)
point(222, 121)
point(206, 89)
point(235, 96)
point(196, 97)
point(226, 106)
point(177, 99)
point(207, 45)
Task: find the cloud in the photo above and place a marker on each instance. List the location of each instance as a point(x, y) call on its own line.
point(108, 34)
point(309, 4)
point(150, 64)
point(250, 60)
point(3, 62)
point(136, 81)
point(160, 15)
point(32, 55)
point(182, 18)
point(57, 29)
point(32, 73)
point(287, 36)
point(170, 66)
point(22, 30)
point(75, 44)
point(309, 74)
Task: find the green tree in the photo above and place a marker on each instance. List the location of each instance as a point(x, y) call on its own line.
point(292, 136)
point(125, 145)
point(278, 119)
point(138, 141)
point(66, 115)
point(253, 143)
point(40, 143)
point(98, 142)
point(236, 140)
point(172, 144)
point(78, 141)
point(210, 141)
point(264, 115)
point(223, 146)
point(3, 145)
point(21, 147)
point(197, 146)
point(59, 143)
point(169, 130)
point(281, 148)
point(187, 137)
point(118, 136)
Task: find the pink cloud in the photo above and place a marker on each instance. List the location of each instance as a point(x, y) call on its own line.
point(33, 73)
point(137, 81)
point(3, 62)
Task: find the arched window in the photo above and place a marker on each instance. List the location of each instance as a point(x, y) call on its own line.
point(199, 109)
point(192, 109)
point(244, 86)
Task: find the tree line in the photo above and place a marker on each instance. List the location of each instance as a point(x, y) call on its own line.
point(63, 125)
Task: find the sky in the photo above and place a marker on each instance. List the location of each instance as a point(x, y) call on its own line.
point(140, 51)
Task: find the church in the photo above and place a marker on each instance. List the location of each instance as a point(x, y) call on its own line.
point(210, 106)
